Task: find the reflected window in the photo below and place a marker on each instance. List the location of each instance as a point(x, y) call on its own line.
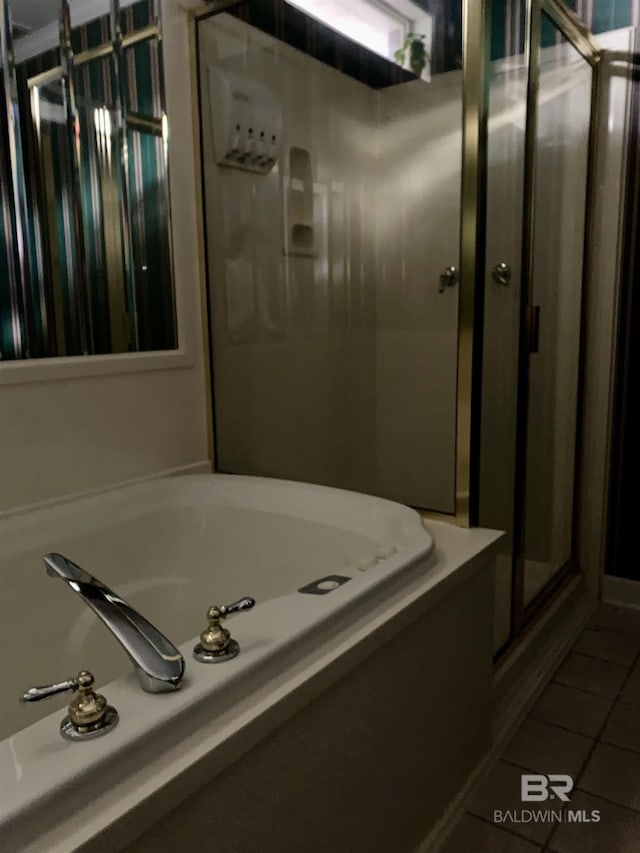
point(384, 28)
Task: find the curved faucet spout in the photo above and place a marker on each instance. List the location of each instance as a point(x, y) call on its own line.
point(158, 664)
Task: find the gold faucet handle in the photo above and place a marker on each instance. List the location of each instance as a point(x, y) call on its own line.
point(215, 641)
point(88, 708)
point(215, 638)
point(88, 714)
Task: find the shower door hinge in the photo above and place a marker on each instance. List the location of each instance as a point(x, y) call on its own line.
point(533, 327)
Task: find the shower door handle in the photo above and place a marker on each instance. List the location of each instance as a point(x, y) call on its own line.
point(449, 278)
point(533, 324)
point(501, 274)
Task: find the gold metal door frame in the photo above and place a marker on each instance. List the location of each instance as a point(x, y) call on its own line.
point(476, 29)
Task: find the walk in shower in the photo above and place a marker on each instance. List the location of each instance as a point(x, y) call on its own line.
point(397, 290)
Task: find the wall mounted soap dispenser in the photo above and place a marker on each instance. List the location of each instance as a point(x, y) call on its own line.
point(247, 122)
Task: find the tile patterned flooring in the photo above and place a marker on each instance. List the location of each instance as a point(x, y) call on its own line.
point(586, 724)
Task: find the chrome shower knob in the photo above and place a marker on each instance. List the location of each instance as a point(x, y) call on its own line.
point(501, 274)
point(216, 643)
point(449, 278)
point(89, 715)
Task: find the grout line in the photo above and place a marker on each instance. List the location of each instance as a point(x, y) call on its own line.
point(575, 651)
point(545, 847)
point(567, 728)
point(562, 807)
point(519, 766)
point(599, 657)
point(597, 740)
point(582, 690)
point(508, 830)
point(629, 633)
point(617, 745)
point(598, 736)
point(618, 696)
point(610, 802)
point(579, 690)
point(610, 630)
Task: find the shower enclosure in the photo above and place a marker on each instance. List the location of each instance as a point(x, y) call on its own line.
point(396, 289)
point(540, 156)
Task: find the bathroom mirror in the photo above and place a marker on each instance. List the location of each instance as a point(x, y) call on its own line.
point(85, 244)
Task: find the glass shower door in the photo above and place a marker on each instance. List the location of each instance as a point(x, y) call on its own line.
point(562, 155)
point(538, 157)
point(505, 176)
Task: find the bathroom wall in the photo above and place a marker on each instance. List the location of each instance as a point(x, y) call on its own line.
point(293, 328)
point(336, 365)
point(417, 221)
point(84, 423)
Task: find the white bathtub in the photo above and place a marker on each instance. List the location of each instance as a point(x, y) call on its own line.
point(172, 547)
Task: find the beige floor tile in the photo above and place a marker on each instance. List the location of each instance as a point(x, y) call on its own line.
point(631, 691)
point(614, 774)
point(617, 619)
point(609, 645)
point(572, 709)
point(595, 676)
point(544, 748)
point(623, 727)
point(473, 835)
point(617, 831)
point(501, 791)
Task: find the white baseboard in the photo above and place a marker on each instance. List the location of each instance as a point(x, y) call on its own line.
point(621, 592)
point(509, 713)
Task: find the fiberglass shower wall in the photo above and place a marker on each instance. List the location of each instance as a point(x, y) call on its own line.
point(417, 216)
point(293, 326)
point(334, 352)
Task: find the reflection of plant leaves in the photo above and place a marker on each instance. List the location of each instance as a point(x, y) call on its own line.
point(417, 52)
point(418, 56)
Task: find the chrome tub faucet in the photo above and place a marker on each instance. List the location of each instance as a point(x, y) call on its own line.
point(158, 663)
